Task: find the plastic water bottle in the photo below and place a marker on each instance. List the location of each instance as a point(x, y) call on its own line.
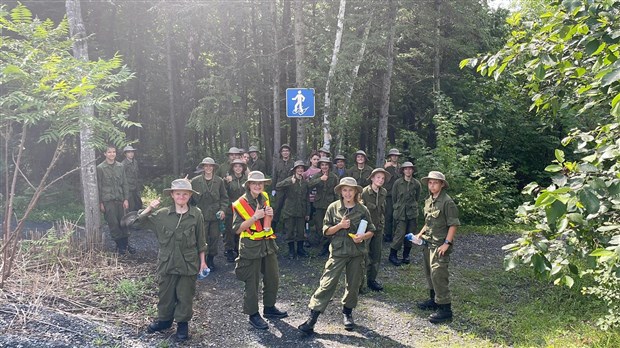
point(219, 216)
point(205, 272)
point(361, 229)
point(415, 240)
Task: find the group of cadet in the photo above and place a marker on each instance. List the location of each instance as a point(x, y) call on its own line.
point(351, 211)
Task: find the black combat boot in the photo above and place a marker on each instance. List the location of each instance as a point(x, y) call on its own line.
point(406, 251)
point(258, 322)
point(430, 304)
point(375, 285)
point(159, 325)
point(394, 257)
point(387, 238)
point(347, 318)
point(308, 326)
point(300, 249)
point(210, 262)
point(291, 250)
point(273, 312)
point(182, 331)
point(130, 249)
point(121, 246)
point(443, 314)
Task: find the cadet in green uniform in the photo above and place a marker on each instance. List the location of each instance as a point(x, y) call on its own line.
point(224, 170)
point(212, 199)
point(373, 197)
point(255, 163)
point(295, 208)
point(258, 252)
point(133, 179)
point(324, 152)
point(180, 232)
point(235, 189)
point(441, 220)
point(361, 170)
point(114, 198)
point(339, 166)
point(406, 195)
point(347, 252)
point(393, 167)
point(324, 182)
point(281, 170)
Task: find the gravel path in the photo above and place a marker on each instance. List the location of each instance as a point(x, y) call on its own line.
point(218, 321)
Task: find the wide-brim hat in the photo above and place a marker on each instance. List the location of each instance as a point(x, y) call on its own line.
point(339, 157)
point(129, 219)
point(324, 149)
point(285, 146)
point(128, 148)
point(209, 161)
point(347, 181)
point(253, 149)
point(406, 165)
point(297, 164)
point(256, 176)
point(361, 152)
point(380, 170)
point(233, 151)
point(393, 152)
point(437, 176)
point(239, 161)
point(324, 160)
point(181, 185)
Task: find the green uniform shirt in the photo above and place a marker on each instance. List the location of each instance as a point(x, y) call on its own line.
point(235, 188)
point(211, 197)
point(131, 173)
point(325, 194)
point(439, 214)
point(360, 175)
point(281, 170)
point(253, 249)
point(375, 202)
point(395, 172)
point(296, 202)
point(112, 182)
point(181, 238)
point(224, 170)
point(341, 244)
point(405, 195)
point(259, 165)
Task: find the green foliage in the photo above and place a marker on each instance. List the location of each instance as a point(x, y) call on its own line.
point(482, 188)
point(569, 56)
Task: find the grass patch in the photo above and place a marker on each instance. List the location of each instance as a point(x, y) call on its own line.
point(492, 230)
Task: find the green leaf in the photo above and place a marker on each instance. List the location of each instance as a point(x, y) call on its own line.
point(593, 46)
point(568, 280)
point(463, 63)
point(610, 77)
point(559, 155)
point(589, 201)
point(553, 168)
point(538, 261)
point(539, 72)
point(510, 262)
point(601, 253)
point(554, 211)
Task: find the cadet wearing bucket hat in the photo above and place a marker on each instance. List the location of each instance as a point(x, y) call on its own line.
point(441, 220)
point(281, 170)
point(224, 170)
point(361, 170)
point(393, 167)
point(133, 178)
point(324, 182)
point(212, 199)
point(234, 188)
point(258, 251)
point(406, 195)
point(339, 166)
point(180, 231)
point(324, 152)
point(255, 163)
point(114, 198)
point(347, 252)
point(373, 197)
point(295, 209)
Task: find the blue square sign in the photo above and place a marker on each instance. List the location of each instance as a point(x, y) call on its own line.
point(300, 102)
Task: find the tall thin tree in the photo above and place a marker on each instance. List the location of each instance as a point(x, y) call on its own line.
point(387, 83)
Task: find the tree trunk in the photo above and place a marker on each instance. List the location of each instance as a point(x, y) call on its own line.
point(172, 117)
point(437, 57)
point(387, 83)
point(332, 70)
point(88, 172)
point(276, 83)
point(300, 73)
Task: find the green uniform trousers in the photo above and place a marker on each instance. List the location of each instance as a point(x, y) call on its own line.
point(176, 296)
point(231, 239)
point(353, 267)
point(135, 201)
point(318, 238)
point(436, 270)
point(389, 216)
point(295, 227)
point(249, 271)
point(113, 214)
point(402, 228)
point(213, 234)
point(373, 258)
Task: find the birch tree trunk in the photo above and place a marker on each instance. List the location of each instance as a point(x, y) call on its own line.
point(172, 117)
point(437, 57)
point(332, 70)
point(88, 172)
point(276, 84)
point(387, 84)
point(300, 73)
